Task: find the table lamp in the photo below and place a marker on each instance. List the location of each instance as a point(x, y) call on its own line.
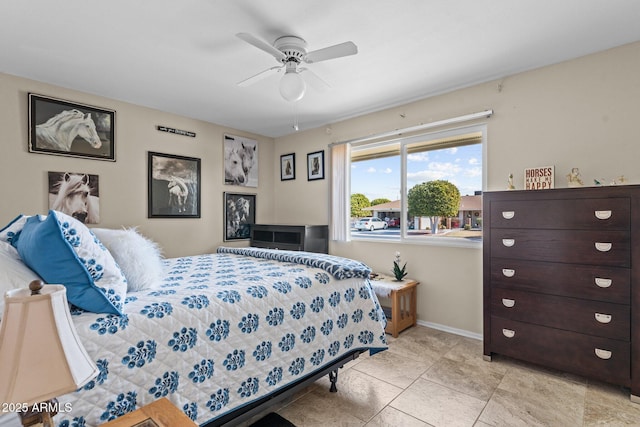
point(41, 356)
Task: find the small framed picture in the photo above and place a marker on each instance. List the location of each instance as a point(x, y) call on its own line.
point(174, 186)
point(287, 167)
point(239, 215)
point(315, 165)
point(70, 129)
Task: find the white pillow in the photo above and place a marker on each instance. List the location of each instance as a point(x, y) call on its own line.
point(139, 258)
point(14, 273)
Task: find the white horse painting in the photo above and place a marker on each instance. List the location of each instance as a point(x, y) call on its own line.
point(178, 193)
point(74, 197)
point(240, 161)
point(60, 130)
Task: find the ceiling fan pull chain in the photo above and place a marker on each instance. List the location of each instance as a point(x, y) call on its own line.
point(295, 117)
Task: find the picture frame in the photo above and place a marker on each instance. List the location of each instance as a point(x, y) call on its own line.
point(288, 167)
point(315, 165)
point(75, 194)
point(66, 128)
point(173, 186)
point(240, 161)
point(239, 215)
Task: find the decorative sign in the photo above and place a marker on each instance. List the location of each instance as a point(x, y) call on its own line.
point(538, 178)
point(176, 131)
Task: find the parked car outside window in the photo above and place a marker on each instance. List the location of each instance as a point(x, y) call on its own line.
point(371, 223)
point(394, 223)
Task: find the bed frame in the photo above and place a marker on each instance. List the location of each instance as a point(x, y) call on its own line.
point(245, 412)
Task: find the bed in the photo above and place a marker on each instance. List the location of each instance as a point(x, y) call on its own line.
point(221, 335)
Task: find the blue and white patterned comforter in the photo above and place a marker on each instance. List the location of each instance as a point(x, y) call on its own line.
point(221, 331)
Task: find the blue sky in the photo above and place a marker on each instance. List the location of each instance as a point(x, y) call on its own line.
point(380, 178)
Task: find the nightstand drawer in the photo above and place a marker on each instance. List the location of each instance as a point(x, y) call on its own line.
point(588, 317)
point(579, 214)
point(610, 248)
point(610, 284)
point(600, 358)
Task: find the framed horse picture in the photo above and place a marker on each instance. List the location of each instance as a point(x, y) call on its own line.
point(174, 186)
point(287, 167)
point(70, 129)
point(240, 161)
point(315, 165)
point(239, 215)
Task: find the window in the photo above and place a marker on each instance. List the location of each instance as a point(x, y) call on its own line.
point(384, 173)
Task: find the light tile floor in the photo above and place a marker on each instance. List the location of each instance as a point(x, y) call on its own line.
point(433, 378)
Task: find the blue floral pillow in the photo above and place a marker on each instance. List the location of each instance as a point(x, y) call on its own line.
point(63, 250)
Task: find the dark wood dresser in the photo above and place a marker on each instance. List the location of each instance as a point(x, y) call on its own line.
point(562, 280)
point(309, 238)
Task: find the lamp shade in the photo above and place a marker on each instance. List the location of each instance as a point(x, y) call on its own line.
point(292, 86)
point(41, 356)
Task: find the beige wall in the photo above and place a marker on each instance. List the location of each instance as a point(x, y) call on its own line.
point(581, 113)
point(123, 184)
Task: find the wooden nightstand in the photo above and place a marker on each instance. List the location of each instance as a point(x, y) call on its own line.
point(403, 295)
point(160, 413)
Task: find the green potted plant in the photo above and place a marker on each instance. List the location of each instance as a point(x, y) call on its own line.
point(399, 272)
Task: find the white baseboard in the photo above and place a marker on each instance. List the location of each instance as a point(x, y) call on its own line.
point(446, 328)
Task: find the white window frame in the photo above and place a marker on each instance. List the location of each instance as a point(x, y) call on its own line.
point(404, 142)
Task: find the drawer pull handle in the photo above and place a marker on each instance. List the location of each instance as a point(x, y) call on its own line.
point(510, 302)
point(603, 283)
point(603, 318)
point(603, 247)
point(508, 272)
point(508, 242)
point(508, 333)
point(603, 214)
point(603, 354)
point(508, 214)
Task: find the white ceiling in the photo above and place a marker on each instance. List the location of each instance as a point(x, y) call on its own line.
point(182, 56)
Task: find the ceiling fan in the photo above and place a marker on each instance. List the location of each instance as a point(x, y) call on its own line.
point(291, 52)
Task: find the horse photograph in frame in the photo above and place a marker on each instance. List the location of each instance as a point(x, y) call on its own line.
point(239, 215)
point(70, 129)
point(75, 194)
point(315, 165)
point(288, 167)
point(240, 161)
point(174, 186)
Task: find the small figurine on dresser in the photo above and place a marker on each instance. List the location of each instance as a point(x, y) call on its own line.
point(619, 180)
point(573, 178)
point(510, 185)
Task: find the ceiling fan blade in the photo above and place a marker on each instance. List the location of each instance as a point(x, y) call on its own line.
point(262, 45)
point(331, 52)
point(261, 75)
point(314, 80)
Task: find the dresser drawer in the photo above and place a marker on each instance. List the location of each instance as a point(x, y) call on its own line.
point(585, 214)
point(588, 317)
point(600, 358)
point(609, 284)
point(607, 248)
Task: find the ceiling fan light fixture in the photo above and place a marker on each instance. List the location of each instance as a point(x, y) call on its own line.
point(292, 86)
